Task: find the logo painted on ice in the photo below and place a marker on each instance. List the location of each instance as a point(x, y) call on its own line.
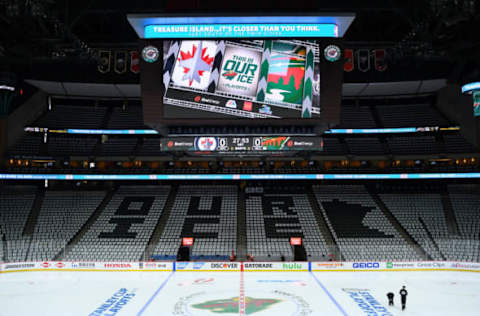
point(231, 305)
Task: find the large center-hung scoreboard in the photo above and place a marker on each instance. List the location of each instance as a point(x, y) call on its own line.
point(241, 70)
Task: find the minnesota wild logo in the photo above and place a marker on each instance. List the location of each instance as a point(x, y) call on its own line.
point(229, 74)
point(230, 305)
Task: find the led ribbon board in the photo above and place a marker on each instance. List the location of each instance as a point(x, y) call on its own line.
point(254, 30)
point(184, 27)
point(148, 177)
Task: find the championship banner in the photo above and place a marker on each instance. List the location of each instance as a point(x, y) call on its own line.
point(134, 62)
point(120, 66)
point(241, 143)
point(105, 57)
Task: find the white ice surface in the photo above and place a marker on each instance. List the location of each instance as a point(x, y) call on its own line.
point(293, 293)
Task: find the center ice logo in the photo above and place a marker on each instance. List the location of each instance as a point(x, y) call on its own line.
point(231, 305)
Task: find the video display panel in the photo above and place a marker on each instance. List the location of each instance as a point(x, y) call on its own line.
point(476, 103)
point(248, 79)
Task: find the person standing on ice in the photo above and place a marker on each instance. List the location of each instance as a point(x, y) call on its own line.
point(390, 296)
point(403, 294)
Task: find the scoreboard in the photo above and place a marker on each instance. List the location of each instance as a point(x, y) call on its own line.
point(235, 144)
point(273, 70)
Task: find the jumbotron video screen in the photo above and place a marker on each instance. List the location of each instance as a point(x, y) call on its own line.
point(266, 79)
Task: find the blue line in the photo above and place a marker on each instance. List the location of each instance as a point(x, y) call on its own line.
point(154, 295)
point(329, 295)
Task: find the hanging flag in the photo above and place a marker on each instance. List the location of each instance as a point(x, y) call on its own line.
point(134, 62)
point(363, 60)
point(120, 62)
point(380, 63)
point(348, 65)
point(105, 57)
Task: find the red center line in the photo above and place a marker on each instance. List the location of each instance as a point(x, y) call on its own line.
point(241, 299)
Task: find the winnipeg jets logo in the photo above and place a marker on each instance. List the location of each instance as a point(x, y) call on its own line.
point(195, 63)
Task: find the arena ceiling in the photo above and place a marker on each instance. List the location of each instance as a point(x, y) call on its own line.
point(36, 30)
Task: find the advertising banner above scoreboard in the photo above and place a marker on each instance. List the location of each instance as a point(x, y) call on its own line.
point(257, 30)
point(230, 25)
point(241, 143)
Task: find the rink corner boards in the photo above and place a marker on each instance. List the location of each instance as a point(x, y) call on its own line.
point(330, 266)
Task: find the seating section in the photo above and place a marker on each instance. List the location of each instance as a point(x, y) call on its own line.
point(71, 116)
point(273, 217)
point(357, 117)
point(150, 147)
point(28, 145)
point(124, 228)
point(129, 118)
point(421, 214)
point(359, 227)
point(411, 115)
point(465, 201)
point(332, 146)
point(365, 146)
point(455, 143)
point(15, 206)
point(71, 146)
point(118, 147)
point(418, 145)
point(206, 212)
point(62, 215)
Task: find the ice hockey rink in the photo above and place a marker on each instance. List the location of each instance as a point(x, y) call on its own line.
point(237, 293)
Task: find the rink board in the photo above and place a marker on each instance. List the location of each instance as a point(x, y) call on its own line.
point(300, 289)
